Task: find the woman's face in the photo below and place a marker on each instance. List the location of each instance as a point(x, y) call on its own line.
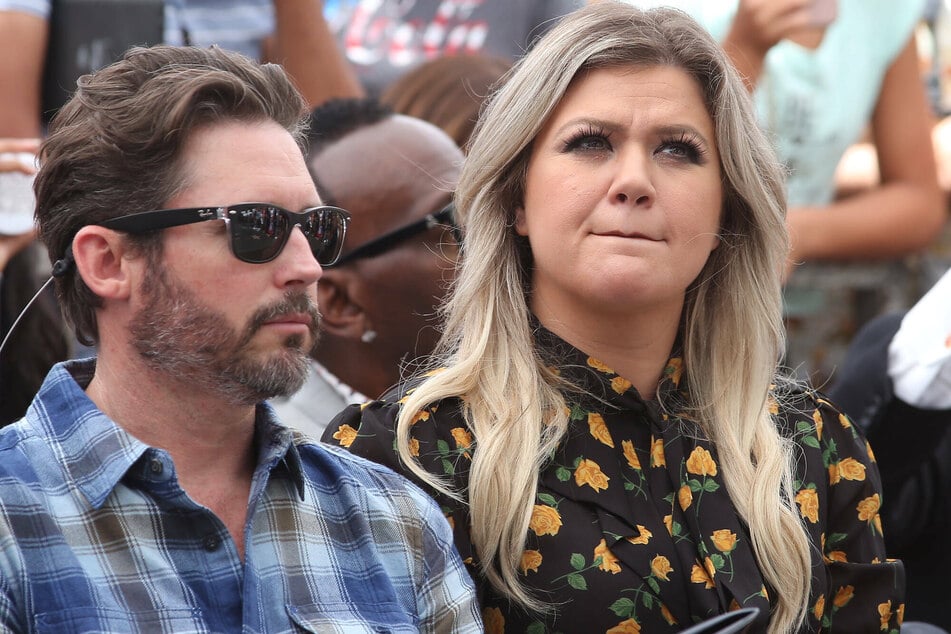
point(623, 194)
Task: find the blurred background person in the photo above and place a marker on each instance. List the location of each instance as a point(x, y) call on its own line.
point(822, 72)
point(895, 383)
point(448, 91)
point(395, 175)
point(290, 32)
point(384, 39)
point(41, 339)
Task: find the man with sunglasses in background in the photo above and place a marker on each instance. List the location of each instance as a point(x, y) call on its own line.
point(151, 489)
point(395, 175)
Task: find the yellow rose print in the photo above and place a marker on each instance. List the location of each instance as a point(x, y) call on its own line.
point(600, 367)
point(345, 434)
point(819, 608)
point(630, 626)
point(724, 539)
point(843, 596)
point(531, 560)
point(868, 450)
point(844, 421)
point(701, 462)
point(675, 369)
point(657, 453)
point(808, 503)
point(698, 574)
point(493, 621)
point(545, 520)
point(620, 385)
point(421, 416)
point(868, 508)
point(589, 472)
point(885, 613)
point(632, 460)
point(599, 430)
point(462, 437)
point(901, 613)
point(664, 612)
point(817, 419)
point(771, 405)
point(685, 497)
point(660, 567)
point(834, 477)
point(669, 522)
point(852, 469)
point(414, 447)
point(643, 537)
point(608, 560)
point(711, 569)
point(837, 555)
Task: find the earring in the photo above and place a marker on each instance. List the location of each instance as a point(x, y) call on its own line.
point(368, 336)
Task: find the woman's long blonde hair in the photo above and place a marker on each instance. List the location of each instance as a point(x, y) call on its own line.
point(732, 332)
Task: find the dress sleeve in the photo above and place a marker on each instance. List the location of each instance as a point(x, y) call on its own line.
point(368, 430)
point(439, 439)
point(864, 590)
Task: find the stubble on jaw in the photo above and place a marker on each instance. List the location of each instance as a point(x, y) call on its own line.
point(181, 336)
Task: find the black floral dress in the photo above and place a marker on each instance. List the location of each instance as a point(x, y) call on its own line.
point(633, 530)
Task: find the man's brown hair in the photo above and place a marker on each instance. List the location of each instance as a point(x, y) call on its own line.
point(115, 148)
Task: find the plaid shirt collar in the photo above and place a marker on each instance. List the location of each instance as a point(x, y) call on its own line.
point(96, 454)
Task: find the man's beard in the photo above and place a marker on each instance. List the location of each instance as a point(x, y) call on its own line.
point(184, 338)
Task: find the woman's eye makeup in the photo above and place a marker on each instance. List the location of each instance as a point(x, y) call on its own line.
point(685, 145)
point(588, 138)
point(682, 145)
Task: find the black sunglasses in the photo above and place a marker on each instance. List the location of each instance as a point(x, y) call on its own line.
point(258, 231)
point(381, 244)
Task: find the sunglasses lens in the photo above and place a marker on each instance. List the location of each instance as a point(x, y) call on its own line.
point(258, 232)
point(326, 228)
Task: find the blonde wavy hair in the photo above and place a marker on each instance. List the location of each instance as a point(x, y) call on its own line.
point(732, 327)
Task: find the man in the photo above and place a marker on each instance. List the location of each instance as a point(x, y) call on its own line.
point(395, 175)
point(151, 489)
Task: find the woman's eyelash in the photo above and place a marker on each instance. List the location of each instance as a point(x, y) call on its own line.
point(690, 143)
point(587, 133)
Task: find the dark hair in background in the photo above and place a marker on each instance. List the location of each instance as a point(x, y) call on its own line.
point(115, 148)
point(448, 92)
point(335, 119)
point(37, 343)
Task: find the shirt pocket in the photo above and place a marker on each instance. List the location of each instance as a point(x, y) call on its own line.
point(346, 618)
point(93, 620)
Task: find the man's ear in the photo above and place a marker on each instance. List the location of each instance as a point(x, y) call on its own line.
point(341, 314)
point(98, 253)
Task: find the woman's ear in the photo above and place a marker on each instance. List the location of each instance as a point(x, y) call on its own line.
point(521, 227)
point(98, 253)
point(341, 314)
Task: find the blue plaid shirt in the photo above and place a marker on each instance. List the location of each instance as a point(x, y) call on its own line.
point(96, 535)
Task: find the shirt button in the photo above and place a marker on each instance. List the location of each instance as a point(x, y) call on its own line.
point(211, 543)
point(156, 466)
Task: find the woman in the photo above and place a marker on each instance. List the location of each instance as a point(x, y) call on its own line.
point(608, 434)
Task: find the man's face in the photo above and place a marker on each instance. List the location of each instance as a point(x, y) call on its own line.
point(409, 169)
point(240, 330)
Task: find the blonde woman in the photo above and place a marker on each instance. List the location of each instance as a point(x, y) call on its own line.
point(606, 426)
